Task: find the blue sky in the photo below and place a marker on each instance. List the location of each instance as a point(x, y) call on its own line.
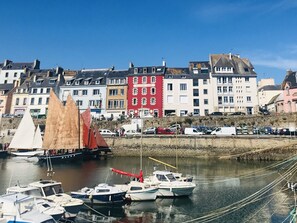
point(77, 34)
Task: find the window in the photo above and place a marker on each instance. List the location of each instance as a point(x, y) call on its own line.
point(248, 99)
point(230, 80)
point(15, 74)
point(24, 101)
point(134, 101)
point(246, 69)
point(183, 99)
point(34, 90)
point(169, 87)
point(247, 79)
point(153, 70)
point(219, 89)
point(52, 81)
point(183, 87)
point(225, 89)
point(144, 91)
point(144, 79)
point(68, 83)
point(135, 70)
point(79, 103)
point(205, 91)
point(143, 101)
point(195, 82)
point(196, 102)
point(6, 74)
point(113, 92)
point(196, 111)
point(153, 101)
point(219, 80)
point(225, 80)
point(153, 79)
point(196, 92)
point(39, 101)
point(121, 103)
point(206, 112)
point(75, 92)
point(122, 91)
point(48, 90)
point(17, 101)
point(220, 100)
point(77, 82)
point(206, 101)
point(230, 89)
point(225, 99)
point(135, 91)
point(109, 104)
point(153, 91)
point(47, 100)
point(41, 90)
point(85, 92)
point(248, 89)
point(204, 81)
point(170, 99)
point(135, 80)
point(144, 70)
point(96, 92)
point(231, 100)
point(32, 101)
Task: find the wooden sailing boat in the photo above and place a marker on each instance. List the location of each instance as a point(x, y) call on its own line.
point(27, 140)
point(63, 131)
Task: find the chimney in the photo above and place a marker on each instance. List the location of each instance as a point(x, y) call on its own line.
point(59, 78)
point(6, 62)
point(36, 64)
point(34, 78)
point(164, 63)
point(230, 56)
point(131, 65)
point(48, 73)
point(289, 72)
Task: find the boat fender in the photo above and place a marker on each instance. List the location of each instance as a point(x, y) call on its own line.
point(91, 198)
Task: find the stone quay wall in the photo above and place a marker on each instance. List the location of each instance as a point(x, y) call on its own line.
point(236, 147)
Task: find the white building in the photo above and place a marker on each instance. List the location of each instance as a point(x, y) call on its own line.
point(177, 92)
point(88, 89)
point(267, 90)
point(202, 88)
point(11, 72)
point(234, 83)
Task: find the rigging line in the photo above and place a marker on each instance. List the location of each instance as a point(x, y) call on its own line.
point(231, 208)
point(94, 210)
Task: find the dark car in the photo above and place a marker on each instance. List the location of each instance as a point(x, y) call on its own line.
point(151, 130)
point(216, 114)
point(237, 113)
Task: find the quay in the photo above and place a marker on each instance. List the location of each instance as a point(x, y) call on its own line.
point(244, 147)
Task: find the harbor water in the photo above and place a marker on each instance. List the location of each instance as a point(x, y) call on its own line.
point(226, 190)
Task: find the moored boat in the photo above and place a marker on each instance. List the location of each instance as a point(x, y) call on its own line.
point(20, 208)
point(100, 194)
point(45, 206)
point(168, 185)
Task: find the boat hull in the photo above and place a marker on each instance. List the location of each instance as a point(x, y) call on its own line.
point(28, 153)
point(61, 158)
point(148, 195)
point(100, 198)
point(174, 191)
point(3, 153)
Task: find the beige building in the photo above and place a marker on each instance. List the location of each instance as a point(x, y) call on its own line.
point(267, 90)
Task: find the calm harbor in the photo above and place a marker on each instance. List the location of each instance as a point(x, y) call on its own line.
point(220, 184)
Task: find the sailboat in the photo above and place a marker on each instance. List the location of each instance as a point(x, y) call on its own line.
point(27, 140)
point(63, 131)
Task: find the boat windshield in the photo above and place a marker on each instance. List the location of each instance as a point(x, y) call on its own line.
point(170, 177)
point(33, 192)
point(51, 190)
point(25, 206)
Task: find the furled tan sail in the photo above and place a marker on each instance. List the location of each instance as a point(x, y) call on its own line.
point(61, 130)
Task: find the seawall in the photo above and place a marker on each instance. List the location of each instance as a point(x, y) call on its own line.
point(237, 147)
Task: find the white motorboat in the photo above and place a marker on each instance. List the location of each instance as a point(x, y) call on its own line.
point(138, 191)
point(28, 153)
point(20, 208)
point(43, 205)
point(168, 185)
point(53, 190)
point(100, 194)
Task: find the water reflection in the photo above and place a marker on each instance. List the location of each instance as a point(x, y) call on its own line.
point(219, 184)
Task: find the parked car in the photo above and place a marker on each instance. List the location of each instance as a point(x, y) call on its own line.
point(107, 132)
point(193, 131)
point(175, 127)
point(237, 113)
point(216, 114)
point(166, 131)
point(151, 130)
point(131, 133)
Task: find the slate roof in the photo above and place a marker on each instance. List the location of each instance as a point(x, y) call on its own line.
point(118, 74)
point(240, 66)
point(290, 78)
point(200, 69)
point(273, 99)
point(270, 88)
point(91, 76)
point(6, 87)
point(10, 65)
point(159, 70)
point(177, 73)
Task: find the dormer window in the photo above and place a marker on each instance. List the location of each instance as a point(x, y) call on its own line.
point(68, 83)
point(145, 70)
point(246, 69)
point(77, 81)
point(144, 79)
point(86, 82)
point(183, 77)
point(153, 70)
point(98, 80)
point(39, 81)
point(135, 70)
point(52, 81)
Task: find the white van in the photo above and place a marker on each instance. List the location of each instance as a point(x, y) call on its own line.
point(192, 131)
point(224, 131)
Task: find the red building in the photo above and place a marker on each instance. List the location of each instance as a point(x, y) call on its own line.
point(145, 90)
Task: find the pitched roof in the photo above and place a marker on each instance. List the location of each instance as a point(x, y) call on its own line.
point(290, 79)
point(118, 74)
point(270, 88)
point(10, 65)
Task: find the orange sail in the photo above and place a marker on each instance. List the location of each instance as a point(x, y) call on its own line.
point(89, 140)
point(100, 140)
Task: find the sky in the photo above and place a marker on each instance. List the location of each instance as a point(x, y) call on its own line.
point(89, 34)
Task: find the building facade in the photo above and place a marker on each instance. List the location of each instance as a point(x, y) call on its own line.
point(145, 90)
